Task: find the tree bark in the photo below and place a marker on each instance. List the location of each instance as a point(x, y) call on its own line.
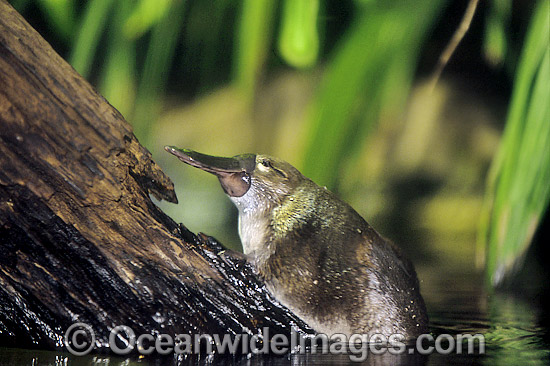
point(80, 239)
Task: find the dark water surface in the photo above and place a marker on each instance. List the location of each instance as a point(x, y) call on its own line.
point(515, 331)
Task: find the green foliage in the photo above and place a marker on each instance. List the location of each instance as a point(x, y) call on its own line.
point(518, 189)
point(120, 63)
point(495, 43)
point(299, 39)
point(144, 15)
point(92, 26)
point(60, 14)
point(253, 42)
point(160, 53)
point(369, 73)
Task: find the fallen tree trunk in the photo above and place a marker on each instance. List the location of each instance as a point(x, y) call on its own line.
point(80, 239)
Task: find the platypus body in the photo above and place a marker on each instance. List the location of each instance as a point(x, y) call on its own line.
point(315, 253)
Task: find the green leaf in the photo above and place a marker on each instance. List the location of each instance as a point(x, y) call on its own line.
point(299, 39)
point(252, 43)
point(145, 15)
point(160, 53)
point(518, 192)
point(85, 44)
point(119, 74)
point(495, 41)
point(369, 73)
point(61, 15)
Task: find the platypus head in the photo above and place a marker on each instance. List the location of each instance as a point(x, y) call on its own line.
point(257, 184)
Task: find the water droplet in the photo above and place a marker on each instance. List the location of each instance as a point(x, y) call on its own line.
point(159, 318)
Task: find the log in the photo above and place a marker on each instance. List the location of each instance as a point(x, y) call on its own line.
point(80, 238)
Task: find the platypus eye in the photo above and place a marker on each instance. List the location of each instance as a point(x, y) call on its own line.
point(266, 164)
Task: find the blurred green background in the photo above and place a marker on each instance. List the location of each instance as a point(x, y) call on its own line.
point(457, 174)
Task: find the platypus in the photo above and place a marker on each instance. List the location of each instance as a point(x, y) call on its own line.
point(315, 253)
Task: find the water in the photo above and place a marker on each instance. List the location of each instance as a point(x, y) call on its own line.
point(515, 331)
point(514, 327)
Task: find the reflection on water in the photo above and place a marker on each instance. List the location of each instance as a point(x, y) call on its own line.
point(457, 303)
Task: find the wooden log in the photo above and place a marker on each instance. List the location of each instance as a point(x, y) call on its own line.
point(80, 239)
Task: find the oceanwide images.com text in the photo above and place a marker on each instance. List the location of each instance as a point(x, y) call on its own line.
point(80, 339)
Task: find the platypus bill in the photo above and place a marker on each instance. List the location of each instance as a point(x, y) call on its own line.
point(316, 254)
